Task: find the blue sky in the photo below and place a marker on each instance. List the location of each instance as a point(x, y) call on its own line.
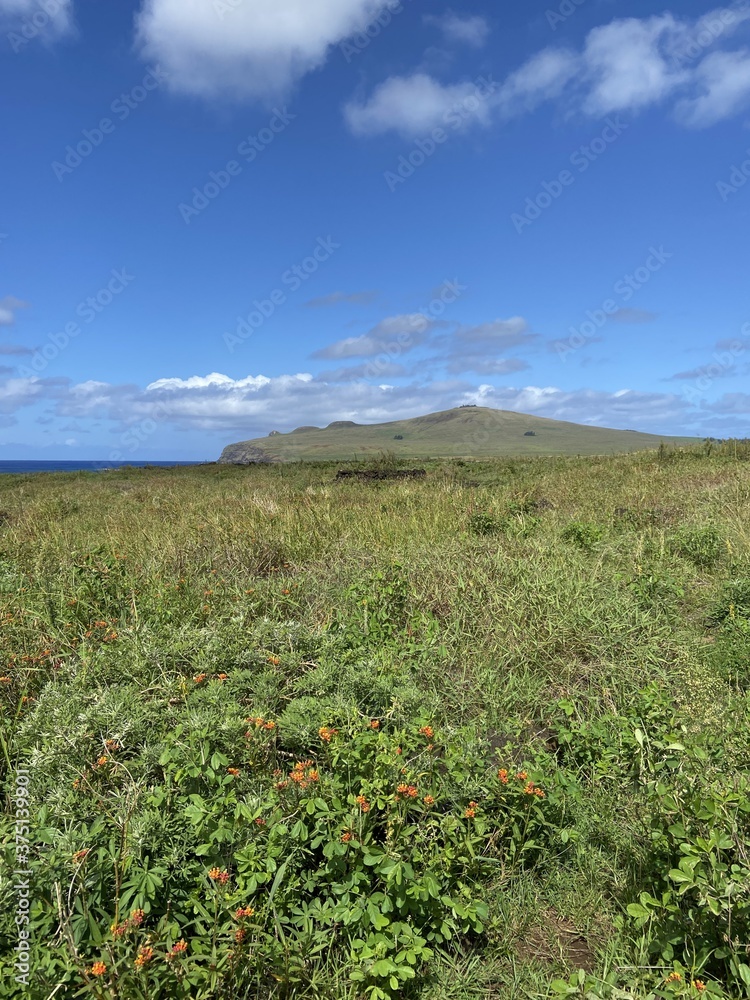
point(224, 217)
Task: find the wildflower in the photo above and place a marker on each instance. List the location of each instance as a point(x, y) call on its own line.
point(79, 856)
point(233, 771)
point(374, 724)
point(673, 977)
point(286, 592)
point(274, 661)
point(427, 731)
point(112, 745)
point(399, 751)
point(326, 733)
point(199, 678)
point(6, 680)
point(528, 788)
point(402, 789)
point(222, 677)
point(471, 811)
point(539, 792)
point(243, 911)
point(503, 776)
point(145, 955)
point(260, 821)
point(136, 917)
point(219, 875)
point(239, 935)
point(102, 762)
point(177, 949)
point(281, 785)
point(346, 837)
point(428, 800)
point(410, 791)
point(313, 776)
point(97, 969)
point(363, 803)
point(117, 930)
point(522, 776)
point(699, 985)
point(269, 725)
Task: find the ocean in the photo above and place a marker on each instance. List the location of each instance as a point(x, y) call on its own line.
point(60, 466)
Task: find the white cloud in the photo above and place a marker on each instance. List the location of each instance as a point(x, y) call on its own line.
point(723, 79)
point(9, 305)
point(246, 48)
point(414, 105)
point(627, 65)
point(396, 334)
point(471, 30)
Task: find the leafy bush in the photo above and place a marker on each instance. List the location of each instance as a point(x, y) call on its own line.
point(702, 546)
point(239, 871)
point(584, 534)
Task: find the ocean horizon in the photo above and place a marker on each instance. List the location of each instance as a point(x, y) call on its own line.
point(21, 466)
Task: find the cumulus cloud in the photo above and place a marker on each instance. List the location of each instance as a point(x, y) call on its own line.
point(394, 334)
point(414, 105)
point(8, 307)
point(470, 29)
point(246, 48)
point(336, 298)
point(723, 80)
point(627, 65)
point(251, 406)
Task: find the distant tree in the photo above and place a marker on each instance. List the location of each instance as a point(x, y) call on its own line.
point(530, 434)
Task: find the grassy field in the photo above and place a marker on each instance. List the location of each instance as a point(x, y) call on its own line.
point(463, 432)
point(483, 735)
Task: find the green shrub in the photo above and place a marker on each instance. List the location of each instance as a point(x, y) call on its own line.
point(702, 546)
point(584, 534)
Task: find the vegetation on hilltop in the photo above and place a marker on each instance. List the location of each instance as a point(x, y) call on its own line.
point(478, 735)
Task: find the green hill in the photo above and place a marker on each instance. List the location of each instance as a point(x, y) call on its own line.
point(464, 432)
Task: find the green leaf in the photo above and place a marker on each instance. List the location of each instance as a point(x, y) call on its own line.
point(638, 911)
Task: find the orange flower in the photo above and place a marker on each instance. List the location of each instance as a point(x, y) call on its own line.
point(522, 776)
point(528, 788)
point(260, 821)
point(177, 949)
point(112, 745)
point(363, 803)
point(326, 733)
point(269, 725)
point(374, 724)
point(674, 977)
point(239, 935)
point(80, 855)
point(145, 955)
point(219, 875)
point(119, 930)
point(313, 776)
point(699, 985)
point(6, 680)
point(399, 751)
point(539, 793)
point(471, 811)
point(286, 592)
point(243, 911)
point(274, 661)
point(199, 678)
point(137, 917)
point(280, 785)
point(427, 731)
point(233, 771)
point(402, 789)
point(222, 677)
point(410, 791)
point(98, 969)
point(428, 800)
point(503, 776)
point(346, 837)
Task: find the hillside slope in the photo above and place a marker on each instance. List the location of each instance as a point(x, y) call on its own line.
point(464, 432)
